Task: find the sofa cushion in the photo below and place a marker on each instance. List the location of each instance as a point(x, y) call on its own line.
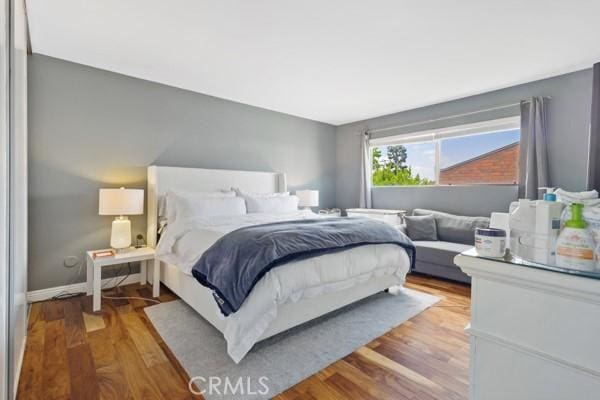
point(438, 252)
point(455, 228)
point(421, 227)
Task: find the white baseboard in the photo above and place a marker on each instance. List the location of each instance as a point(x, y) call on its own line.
point(45, 294)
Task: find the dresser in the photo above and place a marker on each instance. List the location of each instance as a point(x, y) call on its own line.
point(393, 217)
point(535, 333)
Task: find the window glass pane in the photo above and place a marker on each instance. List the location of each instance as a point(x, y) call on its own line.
point(485, 158)
point(407, 164)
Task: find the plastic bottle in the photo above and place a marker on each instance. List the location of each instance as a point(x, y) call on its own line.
point(575, 245)
point(547, 228)
point(521, 222)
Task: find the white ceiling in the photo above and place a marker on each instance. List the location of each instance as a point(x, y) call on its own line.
point(334, 61)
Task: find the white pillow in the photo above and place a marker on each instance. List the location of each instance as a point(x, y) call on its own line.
point(206, 207)
point(243, 193)
point(273, 205)
point(169, 212)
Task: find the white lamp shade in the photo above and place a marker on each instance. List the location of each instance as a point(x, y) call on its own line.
point(121, 202)
point(308, 198)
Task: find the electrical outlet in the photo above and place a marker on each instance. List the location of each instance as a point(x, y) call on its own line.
point(71, 261)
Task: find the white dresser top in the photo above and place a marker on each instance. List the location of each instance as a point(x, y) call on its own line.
point(380, 211)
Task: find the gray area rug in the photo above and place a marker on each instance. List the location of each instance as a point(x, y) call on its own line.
point(280, 362)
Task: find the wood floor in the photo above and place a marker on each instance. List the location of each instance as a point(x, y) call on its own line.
point(73, 353)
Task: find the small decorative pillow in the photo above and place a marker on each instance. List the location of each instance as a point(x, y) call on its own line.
point(272, 205)
point(421, 227)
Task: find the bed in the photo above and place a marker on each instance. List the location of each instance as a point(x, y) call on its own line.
point(287, 315)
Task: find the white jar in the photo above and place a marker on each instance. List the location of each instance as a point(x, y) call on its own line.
point(490, 242)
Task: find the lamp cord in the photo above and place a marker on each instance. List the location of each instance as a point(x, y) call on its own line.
point(65, 294)
point(126, 297)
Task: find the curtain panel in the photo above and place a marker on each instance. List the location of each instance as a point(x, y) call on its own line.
point(533, 153)
point(594, 153)
point(365, 171)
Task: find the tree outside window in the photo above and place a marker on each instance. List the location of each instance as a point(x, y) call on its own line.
point(392, 170)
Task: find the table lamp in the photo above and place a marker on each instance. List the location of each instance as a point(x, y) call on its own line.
point(307, 198)
point(121, 202)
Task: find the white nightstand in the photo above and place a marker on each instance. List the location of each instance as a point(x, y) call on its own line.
point(94, 270)
point(330, 212)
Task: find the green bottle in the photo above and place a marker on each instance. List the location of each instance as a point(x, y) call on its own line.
point(575, 245)
point(576, 220)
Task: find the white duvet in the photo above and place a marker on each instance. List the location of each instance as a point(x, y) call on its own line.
point(184, 242)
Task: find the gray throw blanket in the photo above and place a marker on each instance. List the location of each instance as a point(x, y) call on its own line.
point(237, 261)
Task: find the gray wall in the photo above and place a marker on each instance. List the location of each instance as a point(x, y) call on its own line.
point(91, 128)
point(569, 119)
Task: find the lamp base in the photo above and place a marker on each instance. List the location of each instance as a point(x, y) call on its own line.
point(120, 236)
point(124, 250)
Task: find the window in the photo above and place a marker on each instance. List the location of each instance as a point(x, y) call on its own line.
point(481, 153)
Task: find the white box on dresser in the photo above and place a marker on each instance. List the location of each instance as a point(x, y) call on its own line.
point(535, 334)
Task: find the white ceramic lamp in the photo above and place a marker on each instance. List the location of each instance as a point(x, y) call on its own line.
point(121, 202)
point(308, 198)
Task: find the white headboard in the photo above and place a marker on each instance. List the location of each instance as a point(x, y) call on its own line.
point(163, 179)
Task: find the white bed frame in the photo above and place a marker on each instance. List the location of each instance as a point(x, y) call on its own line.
point(162, 179)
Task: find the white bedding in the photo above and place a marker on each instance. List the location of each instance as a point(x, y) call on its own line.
point(183, 243)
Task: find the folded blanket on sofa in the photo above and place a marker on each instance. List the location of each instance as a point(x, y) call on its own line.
point(237, 261)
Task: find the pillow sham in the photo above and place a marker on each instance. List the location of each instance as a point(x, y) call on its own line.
point(243, 193)
point(273, 205)
point(207, 207)
point(169, 211)
point(421, 227)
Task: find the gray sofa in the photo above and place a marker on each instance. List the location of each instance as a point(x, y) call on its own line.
point(455, 234)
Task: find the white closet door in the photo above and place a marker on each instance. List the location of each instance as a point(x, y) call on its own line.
point(18, 192)
point(4, 194)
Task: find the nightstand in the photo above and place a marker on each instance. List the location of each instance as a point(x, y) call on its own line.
point(94, 270)
point(330, 212)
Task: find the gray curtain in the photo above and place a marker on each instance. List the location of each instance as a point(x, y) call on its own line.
point(365, 171)
point(533, 157)
point(594, 156)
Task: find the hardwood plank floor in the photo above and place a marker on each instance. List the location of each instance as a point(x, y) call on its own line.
point(73, 353)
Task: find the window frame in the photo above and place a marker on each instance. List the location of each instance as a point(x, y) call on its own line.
point(437, 135)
